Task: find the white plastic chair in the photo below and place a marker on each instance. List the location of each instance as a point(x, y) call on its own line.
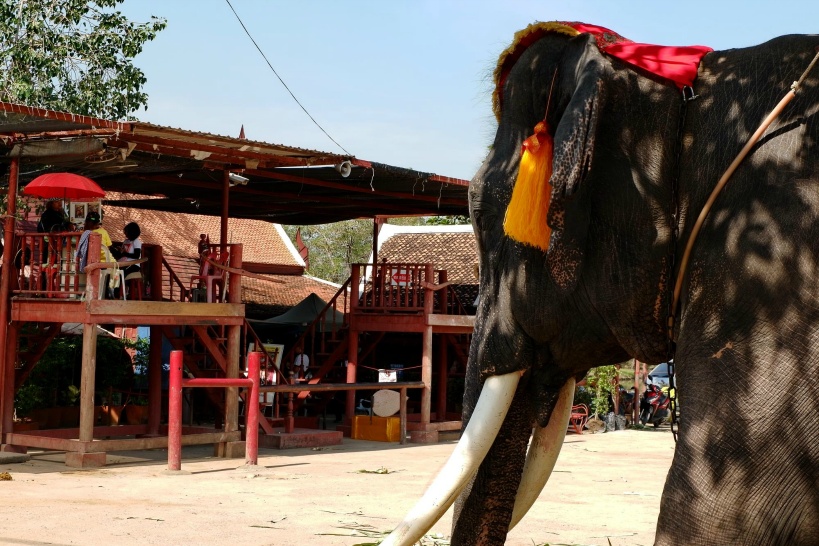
point(111, 276)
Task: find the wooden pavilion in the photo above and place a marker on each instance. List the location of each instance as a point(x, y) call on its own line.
point(41, 286)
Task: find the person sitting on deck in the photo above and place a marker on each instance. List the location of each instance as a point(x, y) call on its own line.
point(131, 247)
point(93, 223)
point(53, 218)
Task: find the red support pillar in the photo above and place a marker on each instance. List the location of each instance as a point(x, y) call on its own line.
point(426, 348)
point(5, 302)
point(352, 346)
point(9, 377)
point(233, 357)
point(155, 350)
point(289, 419)
point(443, 372)
point(88, 374)
point(254, 361)
point(223, 226)
point(175, 412)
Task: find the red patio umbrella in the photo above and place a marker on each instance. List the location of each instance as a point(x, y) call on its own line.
point(65, 186)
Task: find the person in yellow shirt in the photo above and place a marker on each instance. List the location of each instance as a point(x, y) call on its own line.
point(93, 224)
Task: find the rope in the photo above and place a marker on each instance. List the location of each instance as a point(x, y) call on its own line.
point(242, 272)
point(388, 369)
point(724, 180)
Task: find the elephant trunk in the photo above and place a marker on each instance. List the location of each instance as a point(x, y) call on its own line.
point(490, 412)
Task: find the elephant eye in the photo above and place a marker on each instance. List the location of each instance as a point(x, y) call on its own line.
point(482, 219)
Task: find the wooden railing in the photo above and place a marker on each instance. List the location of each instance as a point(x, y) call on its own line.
point(391, 287)
point(173, 279)
point(400, 287)
point(46, 265)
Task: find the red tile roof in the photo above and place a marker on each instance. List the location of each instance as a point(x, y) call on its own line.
point(446, 247)
point(178, 234)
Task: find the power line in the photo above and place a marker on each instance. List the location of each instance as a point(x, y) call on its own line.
point(281, 80)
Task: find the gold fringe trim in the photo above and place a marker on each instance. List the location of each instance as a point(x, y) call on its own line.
point(511, 53)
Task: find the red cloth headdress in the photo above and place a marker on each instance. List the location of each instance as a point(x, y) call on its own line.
point(526, 215)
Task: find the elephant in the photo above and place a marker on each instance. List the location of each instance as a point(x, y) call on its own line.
point(635, 159)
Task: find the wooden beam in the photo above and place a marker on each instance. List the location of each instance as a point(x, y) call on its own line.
point(352, 189)
point(47, 310)
point(221, 154)
point(268, 192)
point(165, 308)
point(102, 446)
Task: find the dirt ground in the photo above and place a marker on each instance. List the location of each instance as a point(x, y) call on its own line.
point(605, 486)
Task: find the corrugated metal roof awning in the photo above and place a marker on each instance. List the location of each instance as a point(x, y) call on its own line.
point(185, 169)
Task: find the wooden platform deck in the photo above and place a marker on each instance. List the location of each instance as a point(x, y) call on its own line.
point(154, 313)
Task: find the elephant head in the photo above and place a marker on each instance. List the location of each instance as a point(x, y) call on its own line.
point(598, 292)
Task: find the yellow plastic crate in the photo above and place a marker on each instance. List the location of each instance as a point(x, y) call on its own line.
point(378, 429)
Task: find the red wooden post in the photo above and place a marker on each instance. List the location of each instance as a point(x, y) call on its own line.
point(289, 421)
point(443, 373)
point(88, 373)
point(223, 225)
point(234, 282)
point(426, 351)
point(254, 360)
point(403, 415)
point(352, 366)
point(5, 303)
point(355, 279)
point(175, 412)
point(155, 350)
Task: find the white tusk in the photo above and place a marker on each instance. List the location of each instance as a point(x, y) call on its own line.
point(490, 411)
point(543, 452)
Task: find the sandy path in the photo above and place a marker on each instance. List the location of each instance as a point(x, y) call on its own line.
point(604, 485)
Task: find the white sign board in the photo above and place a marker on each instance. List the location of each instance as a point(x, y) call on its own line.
point(387, 376)
point(399, 276)
point(275, 351)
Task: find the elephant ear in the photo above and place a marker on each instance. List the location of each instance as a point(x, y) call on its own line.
point(556, 220)
point(569, 215)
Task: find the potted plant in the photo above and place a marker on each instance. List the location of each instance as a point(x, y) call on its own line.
point(136, 410)
point(601, 381)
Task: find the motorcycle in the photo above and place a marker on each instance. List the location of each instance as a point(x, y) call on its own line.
point(654, 407)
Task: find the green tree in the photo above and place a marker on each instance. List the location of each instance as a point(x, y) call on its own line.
point(333, 247)
point(601, 380)
point(448, 220)
point(73, 55)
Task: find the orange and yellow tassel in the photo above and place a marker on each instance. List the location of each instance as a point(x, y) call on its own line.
point(526, 214)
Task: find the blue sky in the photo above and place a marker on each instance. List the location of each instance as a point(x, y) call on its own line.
point(394, 81)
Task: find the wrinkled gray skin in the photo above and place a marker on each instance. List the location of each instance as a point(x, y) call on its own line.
point(746, 468)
